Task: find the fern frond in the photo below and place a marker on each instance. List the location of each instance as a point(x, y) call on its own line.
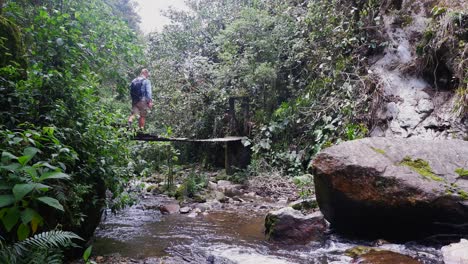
point(41, 248)
point(49, 240)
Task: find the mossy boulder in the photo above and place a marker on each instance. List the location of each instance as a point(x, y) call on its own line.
point(410, 189)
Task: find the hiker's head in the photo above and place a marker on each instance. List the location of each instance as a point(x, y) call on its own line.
point(145, 73)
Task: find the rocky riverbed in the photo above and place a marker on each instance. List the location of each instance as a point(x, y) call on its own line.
point(231, 230)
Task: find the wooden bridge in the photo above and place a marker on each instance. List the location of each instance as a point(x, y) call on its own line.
point(236, 155)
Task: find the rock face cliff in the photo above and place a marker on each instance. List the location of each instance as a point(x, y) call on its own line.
point(422, 72)
point(394, 188)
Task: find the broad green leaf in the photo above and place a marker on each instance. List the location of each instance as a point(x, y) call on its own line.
point(4, 187)
point(35, 222)
point(22, 232)
point(7, 156)
point(31, 171)
point(11, 218)
point(30, 151)
point(3, 212)
point(20, 190)
point(6, 200)
point(51, 202)
point(42, 187)
point(44, 164)
point(54, 175)
point(23, 160)
point(87, 253)
point(27, 215)
point(12, 167)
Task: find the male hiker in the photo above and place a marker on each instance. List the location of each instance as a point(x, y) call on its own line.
point(140, 91)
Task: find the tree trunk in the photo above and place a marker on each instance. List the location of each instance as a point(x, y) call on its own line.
point(2, 2)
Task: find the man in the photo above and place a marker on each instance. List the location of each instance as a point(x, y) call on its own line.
point(140, 90)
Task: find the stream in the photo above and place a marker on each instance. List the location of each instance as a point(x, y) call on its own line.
point(227, 235)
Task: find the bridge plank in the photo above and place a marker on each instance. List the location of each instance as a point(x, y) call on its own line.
point(148, 137)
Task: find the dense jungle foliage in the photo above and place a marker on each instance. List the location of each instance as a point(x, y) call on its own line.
point(60, 147)
point(64, 73)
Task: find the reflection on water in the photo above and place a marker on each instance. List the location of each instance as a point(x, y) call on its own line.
point(219, 237)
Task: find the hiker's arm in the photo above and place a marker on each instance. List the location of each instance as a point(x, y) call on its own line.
point(149, 93)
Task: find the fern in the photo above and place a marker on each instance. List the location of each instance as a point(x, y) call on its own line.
point(41, 248)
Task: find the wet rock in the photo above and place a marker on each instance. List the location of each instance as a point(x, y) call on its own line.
point(456, 253)
point(393, 188)
point(185, 210)
point(239, 199)
point(152, 188)
point(229, 189)
point(385, 257)
point(218, 260)
point(202, 206)
point(192, 215)
point(282, 202)
point(151, 207)
point(213, 205)
point(291, 226)
point(250, 195)
point(169, 208)
point(199, 198)
point(212, 186)
point(219, 196)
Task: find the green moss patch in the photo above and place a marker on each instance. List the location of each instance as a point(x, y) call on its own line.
point(420, 166)
point(461, 172)
point(380, 151)
point(463, 194)
point(359, 250)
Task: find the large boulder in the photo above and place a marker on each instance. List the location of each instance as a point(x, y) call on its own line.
point(456, 253)
point(292, 227)
point(394, 188)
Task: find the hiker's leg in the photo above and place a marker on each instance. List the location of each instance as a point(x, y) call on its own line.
point(141, 122)
point(135, 111)
point(142, 107)
point(130, 118)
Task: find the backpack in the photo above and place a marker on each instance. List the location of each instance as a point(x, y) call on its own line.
point(136, 89)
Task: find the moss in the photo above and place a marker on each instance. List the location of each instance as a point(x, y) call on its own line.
point(420, 166)
point(380, 151)
point(11, 48)
point(305, 205)
point(358, 251)
point(461, 172)
point(270, 223)
point(463, 194)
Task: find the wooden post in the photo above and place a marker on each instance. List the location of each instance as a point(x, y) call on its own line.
point(246, 115)
point(227, 159)
point(232, 116)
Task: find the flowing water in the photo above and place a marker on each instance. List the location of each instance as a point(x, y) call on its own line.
point(223, 236)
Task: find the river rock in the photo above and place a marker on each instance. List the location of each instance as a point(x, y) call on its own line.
point(385, 257)
point(169, 208)
point(229, 189)
point(291, 226)
point(400, 188)
point(456, 253)
point(185, 210)
point(212, 186)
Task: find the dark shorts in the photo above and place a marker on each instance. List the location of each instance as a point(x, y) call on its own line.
point(140, 108)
